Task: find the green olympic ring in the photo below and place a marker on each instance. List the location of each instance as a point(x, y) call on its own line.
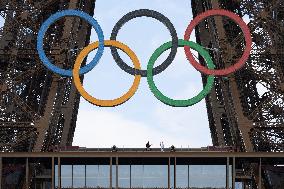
point(180, 103)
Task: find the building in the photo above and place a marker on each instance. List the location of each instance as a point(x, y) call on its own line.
point(137, 168)
point(39, 109)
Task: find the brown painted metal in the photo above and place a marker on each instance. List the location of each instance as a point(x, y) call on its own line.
point(145, 154)
point(116, 172)
point(79, 158)
point(27, 175)
point(52, 173)
point(1, 168)
point(234, 173)
point(59, 172)
point(38, 108)
point(227, 172)
point(246, 109)
point(169, 173)
point(175, 172)
point(110, 174)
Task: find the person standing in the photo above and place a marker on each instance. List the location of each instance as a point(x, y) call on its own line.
point(148, 145)
point(162, 146)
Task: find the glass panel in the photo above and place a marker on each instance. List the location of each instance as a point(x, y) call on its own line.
point(172, 173)
point(182, 176)
point(78, 176)
point(66, 176)
point(56, 175)
point(103, 176)
point(202, 176)
point(91, 178)
point(149, 176)
point(155, 176)
point(137, 176)
point(124, 176)
point(97, 176)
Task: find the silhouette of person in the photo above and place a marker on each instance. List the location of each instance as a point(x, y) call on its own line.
point(162, 146)
point(148, 145)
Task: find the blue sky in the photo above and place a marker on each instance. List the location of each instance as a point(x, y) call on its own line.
point(143, 117)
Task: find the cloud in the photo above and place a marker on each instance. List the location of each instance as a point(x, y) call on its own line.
point(185, 124)
point(105, 129)
point(143, 117)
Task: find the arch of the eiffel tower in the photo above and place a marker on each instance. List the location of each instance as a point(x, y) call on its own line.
point(38, 109)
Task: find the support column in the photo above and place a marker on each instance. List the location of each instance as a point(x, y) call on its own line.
point(110, 173)
point(259, 172)
point(85, 176)
point(52, 173)
point(1, 171)
point(72, 175)
point(175, 174)
point(59, 173)
point(227, 173)
point(116, 178)
point(27, 173)
point(234, 173)
point(130, 176)
point(169, 173)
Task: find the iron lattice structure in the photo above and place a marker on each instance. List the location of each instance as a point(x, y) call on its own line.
point(38, 109)
point(246, 109)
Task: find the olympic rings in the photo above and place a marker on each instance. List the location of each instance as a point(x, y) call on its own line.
point(53, 19)
point(106, 103)
point(232, 68)
point(180, 103)
point(151, 71)
point(148, 13)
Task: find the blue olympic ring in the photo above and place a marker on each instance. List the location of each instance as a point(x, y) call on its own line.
point(53, 18)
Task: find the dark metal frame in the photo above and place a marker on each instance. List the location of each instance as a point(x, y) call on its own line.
point(204, 157)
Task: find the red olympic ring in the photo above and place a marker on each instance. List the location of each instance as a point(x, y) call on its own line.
point(242, 25)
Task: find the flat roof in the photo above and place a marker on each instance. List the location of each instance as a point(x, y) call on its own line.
point(145, 154)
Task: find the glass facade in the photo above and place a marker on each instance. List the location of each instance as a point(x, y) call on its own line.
point(138, 173)
point(149, 176)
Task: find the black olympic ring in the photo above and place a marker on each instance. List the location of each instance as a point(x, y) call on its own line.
point(148, 13)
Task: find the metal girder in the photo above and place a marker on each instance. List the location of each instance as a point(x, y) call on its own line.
point(246, 109)
point(252, 97)
point(38, 109)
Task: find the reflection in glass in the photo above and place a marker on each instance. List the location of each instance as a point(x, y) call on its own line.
point(182, 176)
point(149, 176)
point(97, 176)
point(102, 176)
point(207, 176)
point(66, 176)
point(124, 176)
point(91, 179)
point(78, 176)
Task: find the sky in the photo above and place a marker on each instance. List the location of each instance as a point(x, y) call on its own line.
point(143, 118)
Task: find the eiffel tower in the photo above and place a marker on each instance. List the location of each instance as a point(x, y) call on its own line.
point(38, 109)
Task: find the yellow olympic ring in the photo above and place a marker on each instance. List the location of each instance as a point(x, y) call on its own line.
point(106, 103)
